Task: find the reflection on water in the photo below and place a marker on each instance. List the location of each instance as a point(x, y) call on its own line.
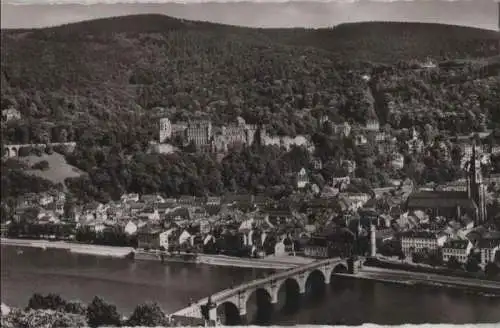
point(128, 283)
point(353, 302)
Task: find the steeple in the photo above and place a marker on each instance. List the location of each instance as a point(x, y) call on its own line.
point(475, 188)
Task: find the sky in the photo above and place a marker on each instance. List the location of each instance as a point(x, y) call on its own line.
point(259, 13)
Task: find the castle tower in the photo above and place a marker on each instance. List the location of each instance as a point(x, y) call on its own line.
point(475, 187)
point(165, 130)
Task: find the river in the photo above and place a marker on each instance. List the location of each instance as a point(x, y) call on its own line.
point(127, 283)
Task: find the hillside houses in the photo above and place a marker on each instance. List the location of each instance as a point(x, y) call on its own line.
point(10, 114)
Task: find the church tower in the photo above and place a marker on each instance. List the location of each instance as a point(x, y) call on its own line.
point(475, 187)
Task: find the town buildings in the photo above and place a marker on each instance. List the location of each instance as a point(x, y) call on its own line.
point(459, 249)
point(10, 114)
point(421, 242)
point(488, 249)
point(302, 179)
point(455, 203)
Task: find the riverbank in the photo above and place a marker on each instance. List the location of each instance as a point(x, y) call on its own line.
point(392, 264)
point(486, 287)
point(96, 250)
point(269, 262)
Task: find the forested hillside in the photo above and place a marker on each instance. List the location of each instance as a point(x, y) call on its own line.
point(100, 83)
point(390, 42)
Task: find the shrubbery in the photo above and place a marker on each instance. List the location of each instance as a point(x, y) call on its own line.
point(42, 165)
point(51, 311)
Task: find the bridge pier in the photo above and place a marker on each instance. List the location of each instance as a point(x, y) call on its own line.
point(212, 314)
point(327, 279)
point(302, 278)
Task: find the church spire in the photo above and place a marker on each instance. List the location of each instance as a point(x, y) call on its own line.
point(476, 190)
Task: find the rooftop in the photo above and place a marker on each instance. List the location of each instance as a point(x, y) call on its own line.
point(440, 199)
point(489, 243)
point(456, 244)
point(420, 234)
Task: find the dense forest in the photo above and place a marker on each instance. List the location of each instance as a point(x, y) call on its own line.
point(105, 83)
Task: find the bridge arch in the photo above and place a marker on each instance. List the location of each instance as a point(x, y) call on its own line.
point(316, 273)
point(340, 268)
point(259, 290)
point(229, 314)
point(315, 284)
point(259, 312)
point(288, 293)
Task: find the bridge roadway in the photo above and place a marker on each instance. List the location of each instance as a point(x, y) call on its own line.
point(239, 296)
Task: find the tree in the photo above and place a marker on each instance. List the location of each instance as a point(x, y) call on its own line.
point(435, 259)
point(472, 265)
point(24, 151)
point(100, 313)
point(75, 308)
point(492, 270)
point(191, 147)
point(42, 165)
point(49, 149)
point(149, 315)
point(453, 263)
point(51, 302)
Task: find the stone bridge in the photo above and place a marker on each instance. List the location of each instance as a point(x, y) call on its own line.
point(13, 150)
point(279, 291)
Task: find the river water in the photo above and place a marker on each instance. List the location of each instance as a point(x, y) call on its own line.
point(127, 283)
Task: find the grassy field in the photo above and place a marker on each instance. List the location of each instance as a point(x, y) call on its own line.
point(58, 168)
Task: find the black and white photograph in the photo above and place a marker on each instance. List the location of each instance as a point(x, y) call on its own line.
point(202, 163)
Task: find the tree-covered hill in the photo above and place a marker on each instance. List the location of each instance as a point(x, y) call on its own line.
point(370, 41)
point(94, 77)
point(104, 84)
point(394, 41)
point(106, 72)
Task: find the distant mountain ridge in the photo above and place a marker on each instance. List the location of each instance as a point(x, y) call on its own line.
point(351, 41)
point(477, 13)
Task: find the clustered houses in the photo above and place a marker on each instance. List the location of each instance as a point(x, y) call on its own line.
point(446, 221)
point(10, 114)
point(254, 225)
point(442, 221)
